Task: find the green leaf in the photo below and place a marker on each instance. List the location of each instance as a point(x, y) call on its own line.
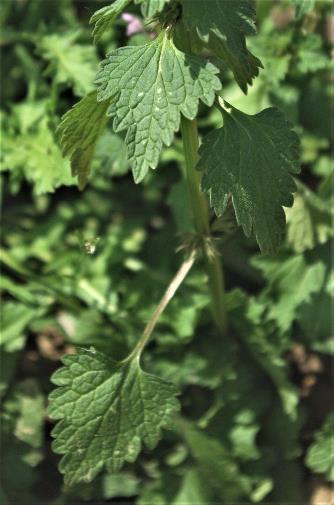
point(15, 317)
point(110, 157)
point(270, 360)
point(107, 409)
point(310, 55)
point(215, 463)
point(320, 455)
point(151, 7)
point(30, 419)
point(70, 63)
point(194, 489)
point(104, 18)
point(290, 283)
point(80, 129)
point(150, 86)
point(31, 152)
point(266, 347)
point(302, 7)
point(310, 220)
point(224, 25)
point(250, 159)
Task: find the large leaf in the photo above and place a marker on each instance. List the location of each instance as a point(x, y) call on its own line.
point(150, 86)
point(107, 410)
point(250, 159)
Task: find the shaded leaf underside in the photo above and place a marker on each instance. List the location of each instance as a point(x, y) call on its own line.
point(250, 159)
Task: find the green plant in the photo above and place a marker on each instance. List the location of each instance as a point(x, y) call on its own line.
point(245, 363)
point(108, 409)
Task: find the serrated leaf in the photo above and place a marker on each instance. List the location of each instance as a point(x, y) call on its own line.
point(251, 159)
point(320, 455)
point(70, 62)
point(150, 86)
point(80, 129)
point(310, 55)
point(224, 25)
point(107, 410)
point(290, 282)
point(310, 220)
point(104, 18)
point(35, 156)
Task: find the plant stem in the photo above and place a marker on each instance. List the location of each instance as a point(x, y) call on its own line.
point(168, 295)
point(200, 212)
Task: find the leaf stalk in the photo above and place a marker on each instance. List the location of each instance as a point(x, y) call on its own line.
point(168, 295)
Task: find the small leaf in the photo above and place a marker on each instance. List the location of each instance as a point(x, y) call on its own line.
point(107, 410)
point(30, 416)
point(80, 129)
point(150, 86)
point(302, 7)
point(104, 18)
point(291, 282)
point(310, 220)
point(320, 455)
point(251, 159)
point(31, 151)
point(224, 25)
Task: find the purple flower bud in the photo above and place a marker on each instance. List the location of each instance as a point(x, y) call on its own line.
point(134, 24)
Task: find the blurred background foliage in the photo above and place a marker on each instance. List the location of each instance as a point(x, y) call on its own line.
point(82, 269)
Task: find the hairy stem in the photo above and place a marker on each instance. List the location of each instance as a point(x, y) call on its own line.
point(200, 212)
point(168, 295)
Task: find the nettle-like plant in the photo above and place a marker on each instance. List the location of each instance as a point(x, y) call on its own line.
point(106, 409)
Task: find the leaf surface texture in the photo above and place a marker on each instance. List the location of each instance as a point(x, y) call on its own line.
point(224, 24)
point(251, 159)
point(107, 410)
point(80, 129)
point(150, 86)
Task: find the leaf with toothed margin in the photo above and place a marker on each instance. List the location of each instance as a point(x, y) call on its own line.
point(104, 18)
point(106, 409)
point(223, 25)
point(250, 159)
point(79, 131)
point(150, 86)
